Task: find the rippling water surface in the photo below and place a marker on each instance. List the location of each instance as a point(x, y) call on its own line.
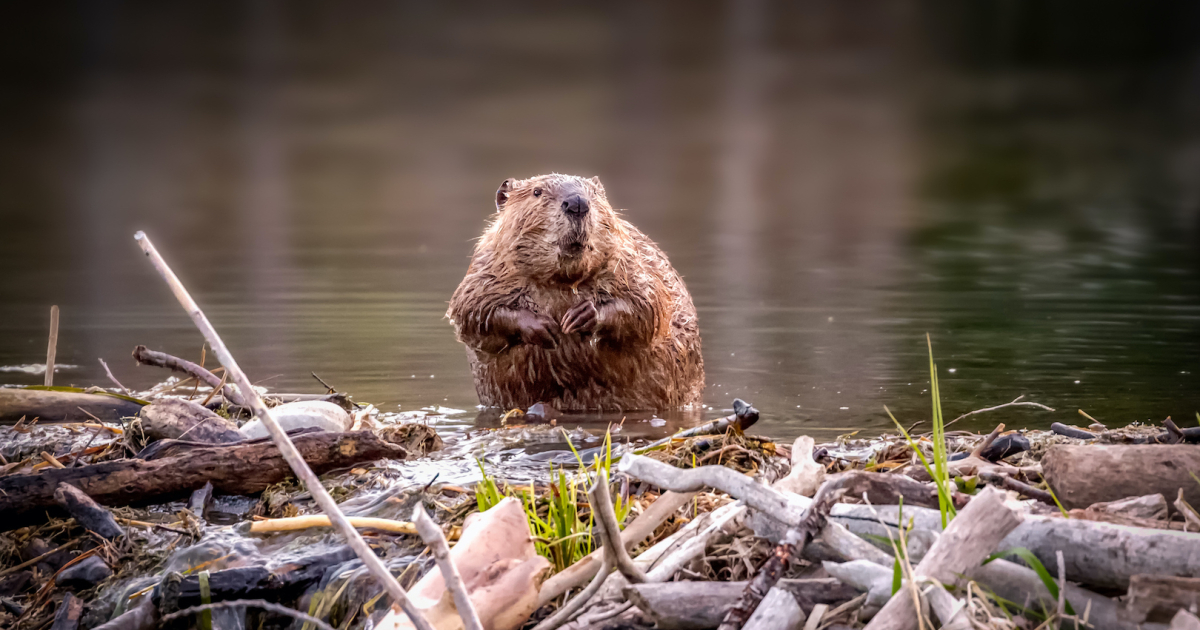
point(832, 184)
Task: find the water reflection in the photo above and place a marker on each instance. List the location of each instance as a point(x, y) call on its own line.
point(832, 182)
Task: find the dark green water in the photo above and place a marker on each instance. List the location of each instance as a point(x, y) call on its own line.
point(832, 181)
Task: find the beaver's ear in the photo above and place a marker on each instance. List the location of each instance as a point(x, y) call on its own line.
point(599, 187)
point(502, 194)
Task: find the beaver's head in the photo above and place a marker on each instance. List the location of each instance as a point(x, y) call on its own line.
point(556, 228)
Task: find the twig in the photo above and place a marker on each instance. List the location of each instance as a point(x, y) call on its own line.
point(610, 530)
point(52, 346)
point(50, 459)
point(432, 535)
point(987, 441)
point(288, 450)
point(321, 381)
point(255, 603)
point(1071, 432)
point(149, 525)
point(1190, 517)
point(744, 415)
point(146, 356)
point(32, 561)
point(113, 378)
point(1017, 402)
point(1008, 483)
point(219, 387)
point(319, 520)
point(563, 614)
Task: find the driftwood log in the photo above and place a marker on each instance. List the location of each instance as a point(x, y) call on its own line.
point(1128, 551)
point(1081, 475)
point(54, 406)
point(175, 418)
point(702, 605)
point(241, 468)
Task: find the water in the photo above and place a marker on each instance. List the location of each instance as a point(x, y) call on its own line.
point(833, 183)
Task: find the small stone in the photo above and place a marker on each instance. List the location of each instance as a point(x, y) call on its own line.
point(84, 575)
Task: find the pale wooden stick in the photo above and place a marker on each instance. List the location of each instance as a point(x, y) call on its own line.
point(320, 520)
point(610, 531)
point(374, 565)
point(432, 535)
point(114, 379)
point(52, 346)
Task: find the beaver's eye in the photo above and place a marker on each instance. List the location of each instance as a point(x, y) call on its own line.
point(537, 192)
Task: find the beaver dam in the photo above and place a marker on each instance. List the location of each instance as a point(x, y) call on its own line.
point(206, 502)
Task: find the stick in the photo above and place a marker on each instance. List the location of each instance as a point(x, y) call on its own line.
point(1015, 403)
point(146, 356)
point(114, 379)
point(987, 441)
point(32, 561)
point(432, 535)
point(743, 417)
point(52, 346)
point(256, 603)
point(372, 562)
point(1008, 483)
point(562, 615)
point(610, 530)
point(320, 520)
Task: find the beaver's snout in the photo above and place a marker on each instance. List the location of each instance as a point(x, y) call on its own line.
point(575, 206)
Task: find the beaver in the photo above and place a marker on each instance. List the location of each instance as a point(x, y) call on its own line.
point(568, 304)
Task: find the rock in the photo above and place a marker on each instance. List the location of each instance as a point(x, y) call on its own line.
point(176, 418)
point(1003, 446)
point(48, 565)
point(84, 575)
point(318, 414)
point(15, 583)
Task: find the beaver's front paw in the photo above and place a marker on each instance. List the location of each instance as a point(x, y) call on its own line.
point(582, 317)
point(537, 330)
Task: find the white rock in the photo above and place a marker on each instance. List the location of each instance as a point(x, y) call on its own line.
point(303, 414)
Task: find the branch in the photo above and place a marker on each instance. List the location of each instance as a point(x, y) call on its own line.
point(146, 356)
point(432, 535)
point(288, 450)
point(610, 530)
point(1017, 402)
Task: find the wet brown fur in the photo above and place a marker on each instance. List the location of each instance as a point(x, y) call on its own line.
point(644, 353)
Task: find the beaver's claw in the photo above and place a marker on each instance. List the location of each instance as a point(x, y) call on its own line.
point(582, 317)
point(537, 330)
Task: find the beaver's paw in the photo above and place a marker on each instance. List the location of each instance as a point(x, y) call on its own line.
point(537, 330)
point(582, 317)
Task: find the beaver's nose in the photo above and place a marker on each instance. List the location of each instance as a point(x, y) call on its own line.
point(575, 206)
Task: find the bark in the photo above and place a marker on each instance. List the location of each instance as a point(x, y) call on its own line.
point(87, 512)
point(175, 418)
point(258, 582)
point(242, 468)
point(702, 605)
point(53, 406)
point(1087, 474)
point(142, 617)
point(1158, 597)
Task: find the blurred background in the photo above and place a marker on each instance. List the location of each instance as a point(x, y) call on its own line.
point(833, 178)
